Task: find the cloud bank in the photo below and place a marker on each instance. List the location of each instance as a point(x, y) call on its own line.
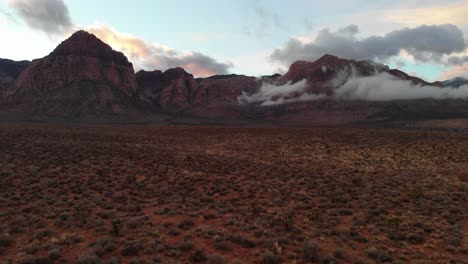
point(378, 87)
point(49, 16)
point(424, 43)
point(271, 94)
point(386, 87)
point(52, 17)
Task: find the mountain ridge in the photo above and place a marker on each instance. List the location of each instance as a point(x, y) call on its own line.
point(84, 76)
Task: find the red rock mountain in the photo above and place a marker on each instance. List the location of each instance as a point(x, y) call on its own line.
point(175, 90)
point(172, 90)
point(82, 76)
point(319, 73)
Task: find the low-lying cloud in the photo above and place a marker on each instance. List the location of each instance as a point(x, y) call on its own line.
point(378, 87)
point(271, 94)
point(424, 43)
point(386, 87)
point(49, 16)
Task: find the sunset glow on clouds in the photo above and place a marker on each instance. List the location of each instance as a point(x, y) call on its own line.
point(452, 13)
point(250, 37)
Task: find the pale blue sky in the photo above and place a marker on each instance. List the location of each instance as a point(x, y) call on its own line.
point(242, 32)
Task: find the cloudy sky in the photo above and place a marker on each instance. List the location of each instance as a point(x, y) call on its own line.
point(427, 38)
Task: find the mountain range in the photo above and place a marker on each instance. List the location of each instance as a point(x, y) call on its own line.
point(85, 77)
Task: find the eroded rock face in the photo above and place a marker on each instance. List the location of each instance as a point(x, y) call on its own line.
point(172, 90)
point(178, 91)
point(225, 88)
point(329, 72)
point(82, 75)
point(82, 57)
point(9, 72)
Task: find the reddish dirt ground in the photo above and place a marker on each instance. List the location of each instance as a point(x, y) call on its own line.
point(149, 194)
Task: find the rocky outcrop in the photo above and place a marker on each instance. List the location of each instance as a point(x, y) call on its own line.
point(225, 89)
point(321, 79)
point(82, 76)
point(172, 90)
point(9, 72)
point(328, 72)
point(177, 91)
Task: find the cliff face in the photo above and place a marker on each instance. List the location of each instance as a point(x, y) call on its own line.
point(175, 90)
point(172, 90)
point(9, 72)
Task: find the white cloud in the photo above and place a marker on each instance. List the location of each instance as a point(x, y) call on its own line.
point(272, 94)
point(385, 87)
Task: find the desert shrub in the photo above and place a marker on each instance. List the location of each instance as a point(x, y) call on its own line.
point(54, 253)
point(89, 259)
point(310, 251)
point(416, 192)
point(243, 241)
point(5, 240)
point(156, 259)
point(286, 219)
point(216, 259)
point(131, 249)
point(103, 246)
point(113, 260)
point(378, 254)
point(198, 256)
point(338, 197)
point(357, 181)
point(186, 224)
point(454, 240)
point(416, 239)
point(167, 224)
point(222, 245)
point(136, 261)
point(31, 249)
point(133, 208)
point(35, 260)
point(117, 226)
point(82, 212)
point(185, 246)
point(315, 214)
point(254, 210)
point(70, 239)
point(173, 232)
point(464, 188)
point(394, 223)
point(329, 260)
point(270, 258)
point(209, 216)
point(339, 253)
